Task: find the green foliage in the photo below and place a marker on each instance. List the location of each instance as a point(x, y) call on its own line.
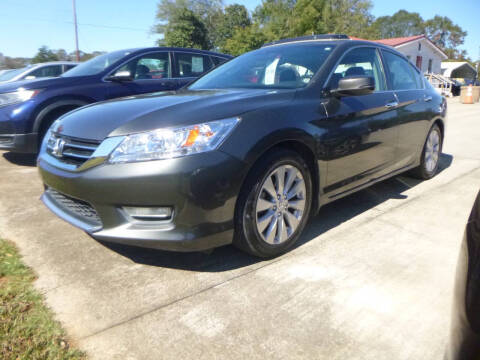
point(445, 34)
point(351, 17)
point(308, 16)
point(27, 327)
point(207, 11)
point(275, 18)
point(232, 30)
point(235, 16)
point(440, 30)
point(400, 24)
point(186, 30)
point(245, 39)
point(44, 54)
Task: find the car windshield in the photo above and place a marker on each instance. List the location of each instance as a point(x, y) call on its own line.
point(12, 73)
point(289, 66)
point(97, 64)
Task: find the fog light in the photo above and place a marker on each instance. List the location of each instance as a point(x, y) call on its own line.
point(149, 213)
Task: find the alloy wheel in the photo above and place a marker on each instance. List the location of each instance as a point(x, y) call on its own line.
point(432, 151)
point(280, 204)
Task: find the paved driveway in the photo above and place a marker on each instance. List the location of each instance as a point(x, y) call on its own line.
point(371, 279)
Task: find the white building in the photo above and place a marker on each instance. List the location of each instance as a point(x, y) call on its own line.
point(420, 50)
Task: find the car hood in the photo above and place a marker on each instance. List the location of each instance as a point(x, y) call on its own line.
point(37, 83)
point(167, 109)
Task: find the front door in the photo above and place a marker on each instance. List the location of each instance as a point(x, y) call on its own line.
point(362, 142)
point(151, 72)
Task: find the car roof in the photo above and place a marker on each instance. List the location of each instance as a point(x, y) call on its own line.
point(172, 48)
point(327, 38)
point(56, 63)
point(343, 41)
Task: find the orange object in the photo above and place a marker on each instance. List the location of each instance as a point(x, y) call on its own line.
point(192, 136)
point(469, 95)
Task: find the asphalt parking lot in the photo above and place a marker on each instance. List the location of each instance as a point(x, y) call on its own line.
point(371, 279)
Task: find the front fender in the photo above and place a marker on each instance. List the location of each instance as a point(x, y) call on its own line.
point(45, 111)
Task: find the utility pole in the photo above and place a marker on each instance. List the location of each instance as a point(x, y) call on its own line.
point(77, 54)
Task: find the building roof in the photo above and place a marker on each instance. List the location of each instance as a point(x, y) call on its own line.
point(400, 41)
point(461, 68)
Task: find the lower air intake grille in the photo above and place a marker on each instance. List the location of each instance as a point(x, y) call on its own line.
point(79, 208)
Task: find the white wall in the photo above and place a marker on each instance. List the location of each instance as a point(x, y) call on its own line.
point(427, 52)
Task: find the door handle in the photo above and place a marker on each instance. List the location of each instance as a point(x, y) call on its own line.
point(391, 104)
point(427, 98)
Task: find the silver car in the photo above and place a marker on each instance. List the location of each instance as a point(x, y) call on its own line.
point(36, 71)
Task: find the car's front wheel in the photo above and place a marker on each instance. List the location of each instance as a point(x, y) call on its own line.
point(274, 204)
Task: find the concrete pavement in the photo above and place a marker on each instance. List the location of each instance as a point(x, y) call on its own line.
point(372, 278)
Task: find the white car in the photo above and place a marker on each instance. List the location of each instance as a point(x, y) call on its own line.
point(36, 71)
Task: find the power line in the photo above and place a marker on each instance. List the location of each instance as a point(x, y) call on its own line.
point(82, 24)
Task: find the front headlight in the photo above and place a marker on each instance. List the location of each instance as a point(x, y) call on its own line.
point(18, 96)
point(170, 143)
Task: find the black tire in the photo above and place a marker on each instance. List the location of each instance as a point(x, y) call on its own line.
point(49, 120)
point(247, 236)
point(421, 171)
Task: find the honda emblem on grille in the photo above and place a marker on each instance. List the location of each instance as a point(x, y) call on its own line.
point(57, 149)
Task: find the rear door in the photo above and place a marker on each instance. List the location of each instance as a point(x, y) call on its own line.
point(151, 72)
point(362, 142)
point(189, 66)
point(413, 106)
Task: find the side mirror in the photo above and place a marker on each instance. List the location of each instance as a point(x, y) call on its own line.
point(121, 76)
point(355, 86)
point(30, 77)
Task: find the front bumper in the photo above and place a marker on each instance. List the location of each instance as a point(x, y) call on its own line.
point(16, 129)
point(201, 188)
point(19, 143)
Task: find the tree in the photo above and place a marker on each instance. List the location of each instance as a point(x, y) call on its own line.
point(245, 39)
point(350, 17)
point(185, 29)
point(400, 24)
point(445, 34)
point(44, 54)
point(207, 11)
point(274, 18)
point(235, 16)
point(62, 55)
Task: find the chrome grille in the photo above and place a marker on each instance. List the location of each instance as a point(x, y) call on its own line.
point(71, 150)
point(79, 208)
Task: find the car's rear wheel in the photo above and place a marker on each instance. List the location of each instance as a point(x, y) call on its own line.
point(430, 156)
point(274, 204)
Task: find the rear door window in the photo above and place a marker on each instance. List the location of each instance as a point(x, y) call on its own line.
point(192, 65)
point(47, 71)
point(402, 74)
point(68, 67)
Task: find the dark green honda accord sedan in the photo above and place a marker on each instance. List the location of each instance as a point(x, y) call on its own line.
point(246, 153)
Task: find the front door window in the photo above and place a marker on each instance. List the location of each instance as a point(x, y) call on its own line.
point(149, 67)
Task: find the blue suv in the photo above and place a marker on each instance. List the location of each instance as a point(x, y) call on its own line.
point(28, 108)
